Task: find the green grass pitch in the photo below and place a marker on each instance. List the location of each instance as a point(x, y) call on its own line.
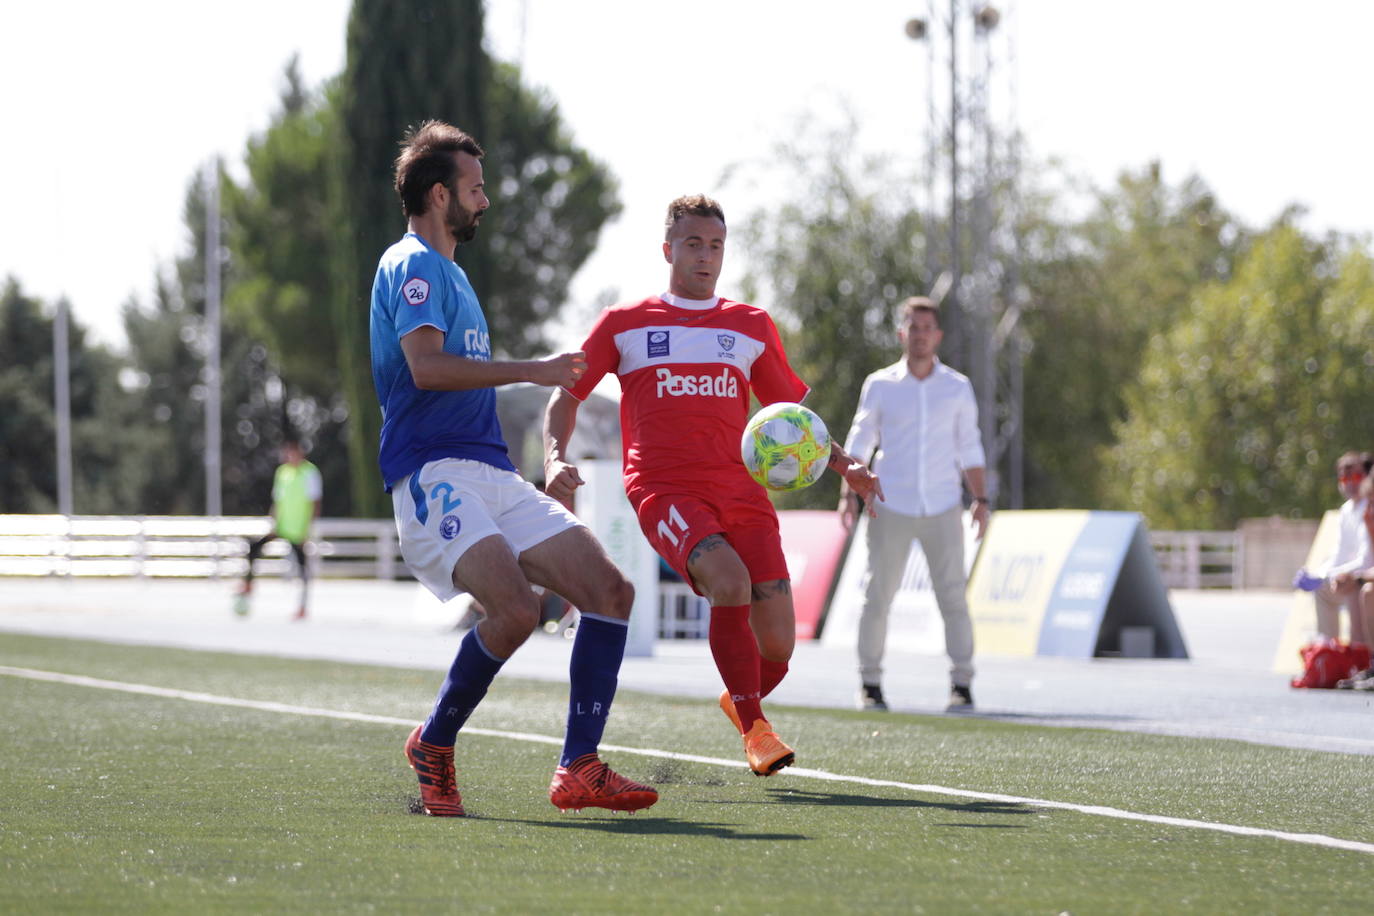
point(119, 802)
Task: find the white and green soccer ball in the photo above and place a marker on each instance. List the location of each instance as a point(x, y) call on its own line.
point(785, 447)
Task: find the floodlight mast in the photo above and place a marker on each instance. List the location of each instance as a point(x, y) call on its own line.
point(978, 275)
point(62, 404)
point(214, 505)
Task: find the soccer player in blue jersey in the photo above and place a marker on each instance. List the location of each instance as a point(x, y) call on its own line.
point(467, 521)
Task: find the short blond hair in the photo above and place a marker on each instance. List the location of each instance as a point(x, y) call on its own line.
point(691, 205)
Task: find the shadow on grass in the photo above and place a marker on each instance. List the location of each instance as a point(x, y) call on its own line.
point(780, 796)
point(639, 825)
point(1037, 717)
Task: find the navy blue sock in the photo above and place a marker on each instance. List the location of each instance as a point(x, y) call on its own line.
point(592, 673)
point(466, 684)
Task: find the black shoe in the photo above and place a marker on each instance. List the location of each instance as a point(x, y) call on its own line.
point(871, 698)
point(960, 699)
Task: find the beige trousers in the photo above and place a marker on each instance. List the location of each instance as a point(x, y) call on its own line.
point(889, 541)
point(1329, 603)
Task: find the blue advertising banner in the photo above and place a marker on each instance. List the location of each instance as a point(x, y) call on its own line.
point(1078, 601)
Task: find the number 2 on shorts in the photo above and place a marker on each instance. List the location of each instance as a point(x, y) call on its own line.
point(451, 502)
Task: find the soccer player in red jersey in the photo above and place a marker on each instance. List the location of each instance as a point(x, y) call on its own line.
point(687, 362)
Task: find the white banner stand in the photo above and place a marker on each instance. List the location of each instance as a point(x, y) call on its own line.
point(602, 505)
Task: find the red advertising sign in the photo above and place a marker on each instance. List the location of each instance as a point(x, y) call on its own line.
point(813, 542)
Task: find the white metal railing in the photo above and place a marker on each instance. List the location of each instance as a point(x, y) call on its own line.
point(188, 547)
point(1199, 559)
point(199, 547)
point(682, 613)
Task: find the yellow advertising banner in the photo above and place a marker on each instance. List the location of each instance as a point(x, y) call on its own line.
point(1016, 573)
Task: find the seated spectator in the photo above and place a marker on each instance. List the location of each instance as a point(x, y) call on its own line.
point(1365, 579)
point(1334, 583)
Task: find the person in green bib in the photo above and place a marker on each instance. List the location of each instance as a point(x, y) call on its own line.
point(296, 492)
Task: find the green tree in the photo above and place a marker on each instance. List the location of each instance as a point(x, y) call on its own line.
point(102, 437)
point(411, 62)
point(281, 235)
point(837, 260)
point(407, 62)
point(1243, 405)
point(167, 340)
point(551, 200)
point(1100, 289)
point(282, 227)
point(832, 267)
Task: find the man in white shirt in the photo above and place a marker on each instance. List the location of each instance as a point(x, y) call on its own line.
point(1339, 581)
point(922, 418)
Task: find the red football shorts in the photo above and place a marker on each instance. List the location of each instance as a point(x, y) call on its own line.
point(676, 522)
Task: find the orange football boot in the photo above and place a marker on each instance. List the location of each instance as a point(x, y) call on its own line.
point(765, 750)
point(433, 766)
point(727, 706)
point(589, 783)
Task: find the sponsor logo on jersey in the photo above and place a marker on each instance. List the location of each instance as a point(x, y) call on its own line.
point(416, 291)
point(477, 343)
point(724, 385)
point(658, 343)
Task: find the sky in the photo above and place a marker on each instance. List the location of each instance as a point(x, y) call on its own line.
point(110, 109)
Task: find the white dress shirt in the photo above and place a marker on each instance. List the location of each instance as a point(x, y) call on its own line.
point(926, 433)
point(1352, 552)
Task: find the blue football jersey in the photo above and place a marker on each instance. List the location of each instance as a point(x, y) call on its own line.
point(417, 286)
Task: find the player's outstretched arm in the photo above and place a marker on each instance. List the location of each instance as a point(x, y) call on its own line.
point(858, 479)
point(561, 479)
point(436, 370)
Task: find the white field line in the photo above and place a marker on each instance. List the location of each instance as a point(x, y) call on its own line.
point(1310, 839)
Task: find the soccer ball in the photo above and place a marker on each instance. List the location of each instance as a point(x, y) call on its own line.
point(785, 447)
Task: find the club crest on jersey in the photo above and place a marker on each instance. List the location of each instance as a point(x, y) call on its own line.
point(726, 341)
point(416, 291)
point(658, 343)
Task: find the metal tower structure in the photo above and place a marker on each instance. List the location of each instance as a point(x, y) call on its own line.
point(971, 168)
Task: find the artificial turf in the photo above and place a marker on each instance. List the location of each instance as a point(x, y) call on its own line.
point(115, 801)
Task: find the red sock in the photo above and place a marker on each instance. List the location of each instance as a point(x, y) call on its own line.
point(737, 659)
point(771, 674)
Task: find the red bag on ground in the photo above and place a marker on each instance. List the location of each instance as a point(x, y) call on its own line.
point(1328, 661)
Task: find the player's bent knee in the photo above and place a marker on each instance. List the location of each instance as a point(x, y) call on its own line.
point(776, 647)
point(726, 586)
point(614, 597)
point(622, 599)
point(513, 620)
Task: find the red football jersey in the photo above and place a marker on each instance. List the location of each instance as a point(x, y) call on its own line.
point(685, 377)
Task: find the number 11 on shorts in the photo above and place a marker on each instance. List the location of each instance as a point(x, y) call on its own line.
point(674, 517)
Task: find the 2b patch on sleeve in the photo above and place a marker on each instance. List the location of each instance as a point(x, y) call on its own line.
point(416, 291)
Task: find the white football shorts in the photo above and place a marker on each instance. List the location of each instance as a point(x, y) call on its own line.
point(450, 504)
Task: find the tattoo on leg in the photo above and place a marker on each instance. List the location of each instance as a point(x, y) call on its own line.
point(706, 545)
point(761, 590)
